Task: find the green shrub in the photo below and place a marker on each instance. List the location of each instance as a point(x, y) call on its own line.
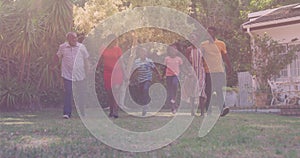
point(52, 97)
point(9, 94)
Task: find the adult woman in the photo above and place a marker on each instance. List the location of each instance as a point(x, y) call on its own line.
point(112, 73)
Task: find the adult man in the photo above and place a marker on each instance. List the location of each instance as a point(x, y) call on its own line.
point(214, 52)
point(74, 57)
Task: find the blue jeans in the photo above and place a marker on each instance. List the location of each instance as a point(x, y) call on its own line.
point(143, 89)
point(214, 83)
point(172, 86)
point(68, 96)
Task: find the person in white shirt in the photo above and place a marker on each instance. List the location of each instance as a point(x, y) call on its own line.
point(74, 63)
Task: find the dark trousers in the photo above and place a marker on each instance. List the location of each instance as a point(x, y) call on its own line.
point(113, 106)
point(143, 92)
point(80, 97)
point(172, 86)
point(214, 82)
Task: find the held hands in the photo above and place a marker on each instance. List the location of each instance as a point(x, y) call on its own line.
point(88, 69)
point(160, 77)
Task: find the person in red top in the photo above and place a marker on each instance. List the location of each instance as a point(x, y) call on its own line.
point(112, 73)
point(172, 63)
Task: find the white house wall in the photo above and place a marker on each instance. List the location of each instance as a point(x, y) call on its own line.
point(282, 34)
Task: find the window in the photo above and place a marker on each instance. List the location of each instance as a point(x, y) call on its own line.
point(295, 65)
point(284, 72)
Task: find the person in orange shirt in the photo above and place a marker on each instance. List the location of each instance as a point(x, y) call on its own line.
point(214, 53)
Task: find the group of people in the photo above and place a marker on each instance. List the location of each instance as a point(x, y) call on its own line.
point(206, 59)
point(206, 85)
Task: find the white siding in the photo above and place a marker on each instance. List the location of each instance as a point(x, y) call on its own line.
point(282, 34)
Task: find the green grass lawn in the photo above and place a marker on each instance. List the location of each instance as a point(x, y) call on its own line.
point(251, 135)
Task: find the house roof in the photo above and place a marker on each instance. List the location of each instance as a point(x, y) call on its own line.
point(278, 14)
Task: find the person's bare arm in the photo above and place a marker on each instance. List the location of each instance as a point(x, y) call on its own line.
point(227, 62)
point(164, 66)
point(87, 65)
point(157, 72)
point(186, 67)
point(55, 61)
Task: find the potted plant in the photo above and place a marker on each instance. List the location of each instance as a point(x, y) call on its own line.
point(231, 96)
point(268, 59)
point(261, 96)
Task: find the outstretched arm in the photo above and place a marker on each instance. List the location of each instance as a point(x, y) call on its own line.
point(157, 72)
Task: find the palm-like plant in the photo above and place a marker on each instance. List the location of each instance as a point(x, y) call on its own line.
point(6, 12)
point(29, 95)
point(9, 93)
point(22, 34)
point(30, 33)
point(57, 21)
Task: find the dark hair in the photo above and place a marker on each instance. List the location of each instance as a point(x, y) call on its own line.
point(173, 47)
point(71, 33)
point(112, 38)
point(212, 28)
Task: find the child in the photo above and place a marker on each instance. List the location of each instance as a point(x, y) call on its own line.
point(172, 63)
point(196, 59)
point(143, 71)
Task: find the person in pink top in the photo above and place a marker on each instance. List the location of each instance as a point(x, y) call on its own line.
point(172, 63)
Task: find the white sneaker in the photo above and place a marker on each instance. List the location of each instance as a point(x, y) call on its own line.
point(66, 116)
point(173, 101)
point(174, 111)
